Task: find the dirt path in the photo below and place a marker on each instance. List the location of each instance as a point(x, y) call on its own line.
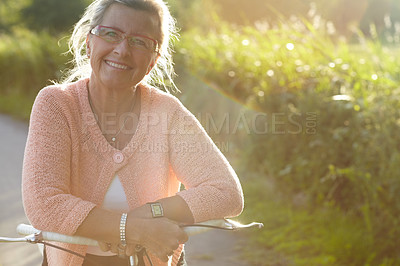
point(12, 144)
point(212, 248)
point(217, 248)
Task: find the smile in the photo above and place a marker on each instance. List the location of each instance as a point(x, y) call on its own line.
point(116, 65)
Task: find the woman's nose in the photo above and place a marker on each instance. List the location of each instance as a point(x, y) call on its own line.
point(122, 48)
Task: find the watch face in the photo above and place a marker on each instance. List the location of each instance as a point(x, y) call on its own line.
point(157, 210)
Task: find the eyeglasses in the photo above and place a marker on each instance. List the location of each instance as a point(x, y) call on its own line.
point(116, 36)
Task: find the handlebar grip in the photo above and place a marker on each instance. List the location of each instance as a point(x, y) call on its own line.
point(24, 229)
point(194, 230)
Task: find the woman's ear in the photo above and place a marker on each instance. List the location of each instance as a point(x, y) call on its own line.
point(152, 64)
point(87, 46)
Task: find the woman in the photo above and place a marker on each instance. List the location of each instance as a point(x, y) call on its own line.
point(106, 154)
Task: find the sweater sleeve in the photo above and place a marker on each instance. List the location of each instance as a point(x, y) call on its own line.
point(46, 185)
point(213, 190)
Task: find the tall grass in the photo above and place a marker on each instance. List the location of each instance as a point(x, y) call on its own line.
point(28, 61)
point(328, 143)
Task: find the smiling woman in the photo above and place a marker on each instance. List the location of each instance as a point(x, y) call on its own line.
point(118, 64)
point(83, 171)
point(94, 16)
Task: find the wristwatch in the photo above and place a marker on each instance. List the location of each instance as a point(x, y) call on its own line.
point(156, 209)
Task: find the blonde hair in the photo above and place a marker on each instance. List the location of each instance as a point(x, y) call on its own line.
point(163, 72)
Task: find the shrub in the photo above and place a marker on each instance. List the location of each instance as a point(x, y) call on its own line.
point(29, 60)
point(332, 108)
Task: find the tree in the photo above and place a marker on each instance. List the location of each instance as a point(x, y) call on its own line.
point(53, 15)
point(10, 13)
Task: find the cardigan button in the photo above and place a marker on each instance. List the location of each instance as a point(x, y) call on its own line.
point(118, 157)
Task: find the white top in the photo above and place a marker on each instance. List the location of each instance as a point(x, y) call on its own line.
point(114, 200)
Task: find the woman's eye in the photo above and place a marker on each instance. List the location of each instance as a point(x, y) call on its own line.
point(138, 42)
point(111, 34)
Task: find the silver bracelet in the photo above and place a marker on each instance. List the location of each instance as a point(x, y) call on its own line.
point(122, 229)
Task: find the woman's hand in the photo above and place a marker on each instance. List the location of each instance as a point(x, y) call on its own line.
point(129, 250)
point(143, 212)
point(160, 236)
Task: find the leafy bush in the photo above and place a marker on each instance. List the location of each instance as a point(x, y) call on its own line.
point(331, 148)
point(45, 14)
point(27, 62)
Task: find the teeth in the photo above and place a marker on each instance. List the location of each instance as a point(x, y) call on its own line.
point(116, 65)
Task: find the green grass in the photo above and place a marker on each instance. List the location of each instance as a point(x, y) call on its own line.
point(296, 235)
point(17, 105)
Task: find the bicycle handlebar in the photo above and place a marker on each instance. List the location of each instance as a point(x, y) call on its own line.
point(191, 230)
point(24, 229)
point(35, 236)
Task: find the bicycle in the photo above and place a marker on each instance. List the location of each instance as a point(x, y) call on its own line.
point(34, 236)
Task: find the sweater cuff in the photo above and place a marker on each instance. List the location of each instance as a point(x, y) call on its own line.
point(199, 204)
point(76, 217)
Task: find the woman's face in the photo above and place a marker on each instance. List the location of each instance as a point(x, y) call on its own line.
point(119, 66)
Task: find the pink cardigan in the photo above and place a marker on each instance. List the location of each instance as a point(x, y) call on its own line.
point(69, 165)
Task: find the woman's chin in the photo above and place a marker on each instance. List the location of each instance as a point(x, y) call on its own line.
point(117, 81)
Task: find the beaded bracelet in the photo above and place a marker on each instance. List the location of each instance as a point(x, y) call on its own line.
point(122, 229)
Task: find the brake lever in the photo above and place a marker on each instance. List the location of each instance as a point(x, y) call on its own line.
point(225, 224)
point(32, 238)
point(236, 225)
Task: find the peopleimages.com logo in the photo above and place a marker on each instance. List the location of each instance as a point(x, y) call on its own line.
point(221, 127)
point(260, 123)
point(226, 124)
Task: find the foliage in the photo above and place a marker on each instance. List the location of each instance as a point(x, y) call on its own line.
point(326, 137)
point(16, 104)
point(28, 61)
point(10, 13)
point(192, 14)
point(294, 235)
point(56, 16)
point(51, 15)
point(343, 13)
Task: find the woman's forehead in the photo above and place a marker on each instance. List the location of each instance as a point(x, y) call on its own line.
point(131, 20)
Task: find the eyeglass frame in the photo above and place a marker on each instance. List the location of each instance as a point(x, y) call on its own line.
point(125, 36)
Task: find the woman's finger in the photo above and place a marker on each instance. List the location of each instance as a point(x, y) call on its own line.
point(163, 258)
point(104, 246)
point(130, 250)
point(114, 248)
point(167, 253)
point(183, 237)
point(121, 250)
point(170, 253)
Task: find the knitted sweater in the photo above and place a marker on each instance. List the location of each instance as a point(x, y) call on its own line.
point(68, 164)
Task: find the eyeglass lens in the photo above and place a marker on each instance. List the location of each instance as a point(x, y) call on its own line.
point(116, 36)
